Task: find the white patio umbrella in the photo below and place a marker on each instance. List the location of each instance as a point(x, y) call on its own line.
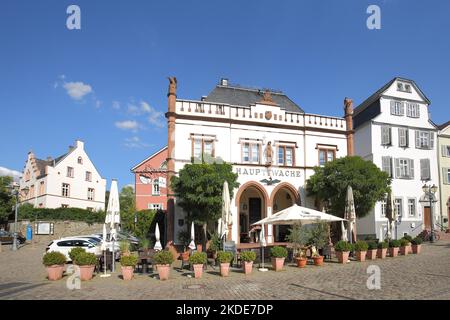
point(226, 212)
point(343, 232)
point(390, 214)
point(113, 216)
point(104, 247)
point(350, 213)
point(262, 241)
point(158, 245)
point(192, 244)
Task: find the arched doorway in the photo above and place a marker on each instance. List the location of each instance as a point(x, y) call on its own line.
point(282, 197)
point(251, 203)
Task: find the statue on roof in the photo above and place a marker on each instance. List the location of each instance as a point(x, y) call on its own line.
point(172, 85)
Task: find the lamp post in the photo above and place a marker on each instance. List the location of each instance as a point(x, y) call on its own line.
point(15, 191)
point(430, 196)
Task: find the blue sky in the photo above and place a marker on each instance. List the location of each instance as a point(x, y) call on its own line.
point(106, 83)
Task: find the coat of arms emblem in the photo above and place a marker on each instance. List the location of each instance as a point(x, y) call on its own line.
point(268, 115)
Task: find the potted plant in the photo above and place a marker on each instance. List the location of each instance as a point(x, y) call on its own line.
point(372, 250)
point(393, 247)
point(299, 237)
point(278, 255)
point(86, 262)
point(54, 262)
point(382, 249)
point(224, 258)
point(144, 245)
point(319, 235)
point(127, 265)
point(214, 245)
point(248, 257)
point(124, 246)
point(318, 259)
point(73, 253)
point(163, 259)
point(198, 259)
point(361, 248)
point(343, 249)
point(184, 237)
point(409, 238)
point(404, 246)
point(416, 245)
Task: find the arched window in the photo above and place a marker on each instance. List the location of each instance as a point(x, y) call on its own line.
point(156, 187)
point(80, 160)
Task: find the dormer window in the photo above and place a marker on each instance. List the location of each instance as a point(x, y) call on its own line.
point(403, 87)
point(407, 88)
point(400, 86)
point(80, 160)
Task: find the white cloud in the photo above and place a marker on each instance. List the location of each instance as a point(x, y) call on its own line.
point(11, 173)
point(127, 125)
point(155, 117)
point(116, 105)
point(135, 142)
point(77, 90)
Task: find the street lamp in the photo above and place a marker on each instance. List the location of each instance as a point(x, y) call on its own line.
point(430, 197)
point(15, 191)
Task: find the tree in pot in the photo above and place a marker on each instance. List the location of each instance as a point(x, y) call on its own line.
point(343, 249)
point(124, 246)
point(393, 247)
point(224, 258)
point(278, 255)
point(382, 249)
point(214, 245)
point(73, 253)
point(299, 236)
point(416, 245)
point(248, 257)
point(86, 263)
point(361, 248)
point(404, 246)
point(144, 245)
point(319, 235)
point(198, 260)
point(127, 265)
point(372, 250)
point(54, 262)
point(163, 260)
point(185, 237)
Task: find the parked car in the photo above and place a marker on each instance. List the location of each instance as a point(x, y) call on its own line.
point(95, 238)
point(120, 236)
point(64, 246)
point(7, 237)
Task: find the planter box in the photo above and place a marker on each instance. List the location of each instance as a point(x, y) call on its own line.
point(393, 252)
point(127, 272)
point(371, 254)
point(381, 253)
point(342, 256)
point(416, 248)
point(361, 255)
point(277, 263)
point(55, 272)
point(248, 267)
point(163, 271)
point(404, 250)
point(224, 269)
point(86, 272)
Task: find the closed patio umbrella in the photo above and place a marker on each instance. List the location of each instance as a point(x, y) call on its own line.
point(104, 247)
point(113, 216)
point(390, 214)
point(262, 241)
point(350, 213)
point(158, 245)
point(192, 244)
point(343, 232)
point(226, 214)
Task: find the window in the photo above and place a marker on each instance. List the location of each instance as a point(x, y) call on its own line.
point(80, 160)
point(404, 87)
point(407, 88)
point(197, 148)
point(155, 206)
point(397, 108)
point(398, 206)
point(251, 152)
point(41, 188)
point(64, 206)
point(386, 165)
point(404, 168)
point(156, 187)
point(70, 172)
point(411, 207)
point(326, 155)
point(445, 151)
point(383, 208)
point(91, 194)
point(413, 110)
point(424, 139)
point(88, 176)
point(386, 136)
point(65, 190)
point(201, 147)
point(400, 86)
point(285, 156)
point(425, 169)
point(403, 139)
point(446, 175)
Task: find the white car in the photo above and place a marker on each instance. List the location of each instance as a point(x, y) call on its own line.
point(95, 238)
point(64, 246)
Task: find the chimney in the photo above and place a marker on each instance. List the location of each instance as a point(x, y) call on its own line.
point(204, 98)
point(224, 82)
point(348, 107)
point(49, 158)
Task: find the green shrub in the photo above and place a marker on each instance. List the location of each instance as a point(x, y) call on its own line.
point(163, 257)
point(394, 243)
point(383, 245)
point(215, 242)
point(124, 246)
point(144, 243)
point(248, 256)
point(372, 245)
point(53, 258)
point(404, 242)
point(198, 258)
point(361, 246)
point(417, 241)
point(408, 237)
point(128, 261)
point(224, 257)
point(74, 252)
point(27, 212)
point(85, 259)
point(278, 252)
point(343, 246)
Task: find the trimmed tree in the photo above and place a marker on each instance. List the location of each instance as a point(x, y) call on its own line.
point(6, 199)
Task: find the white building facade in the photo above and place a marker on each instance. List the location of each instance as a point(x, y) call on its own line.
point(393, 130)
point(70, 180)
point(271, 142)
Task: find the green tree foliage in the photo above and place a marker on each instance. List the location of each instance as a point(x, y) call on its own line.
point(28, 212)
point(330, 182)
point(7, 201)
point(199, 189)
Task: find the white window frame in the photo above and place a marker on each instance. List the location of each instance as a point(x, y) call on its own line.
point(404, 168)
point(400, 209)
point(414, 207)
point(65, 190)
point(403, 137)
point(445, 150)
point(91, 194)
point(70, 172)
point(383, 208)
point(397, 108)
point(413, 110)
point(88, 176)
point(385, 166)
point(386, 135)
point(424, 139)
point(249, 148)
point(156, 190)
point(446, 175)
point(151, 206)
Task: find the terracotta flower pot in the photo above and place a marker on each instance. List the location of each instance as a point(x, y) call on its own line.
point(381, 253)
point(127, 272)
point(224, 269)
point(163, 271)
point(361, 256)
point(410, 249)
point(342, 256)
point(198, 270)
point(55, 272)
point(199, 248)
point(301, 262)
point(248, 267)
point(416, 248)
point(404, 250)
point(318, 261)
point(371, 254)
point(393, 252)
point(86, 272)
point(277, 263)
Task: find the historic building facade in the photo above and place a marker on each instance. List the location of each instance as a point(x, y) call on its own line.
point(444, 173)
point(70, 180)
point(150, 181)
point(394, 131)
point(271, 142)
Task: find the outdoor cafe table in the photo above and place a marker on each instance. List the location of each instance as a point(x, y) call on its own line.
point(145, 259)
